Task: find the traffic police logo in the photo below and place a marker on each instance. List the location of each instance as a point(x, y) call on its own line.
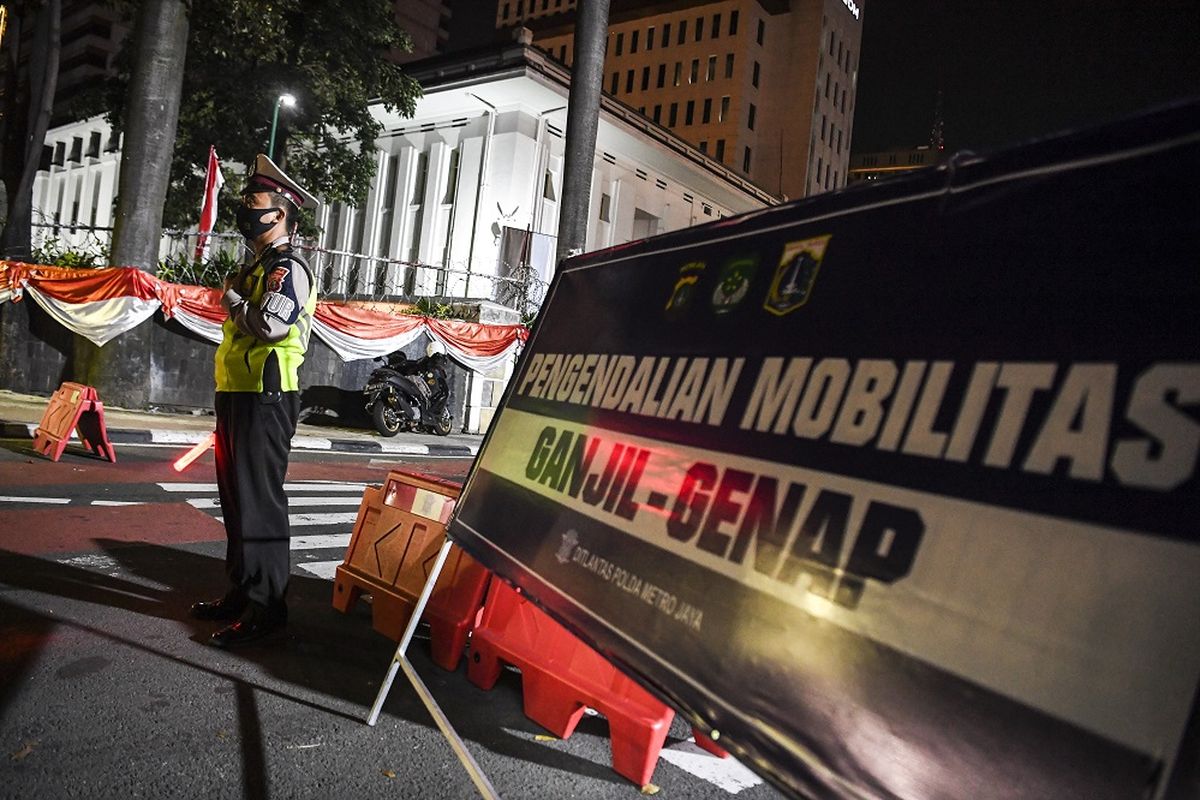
point(734, 283)
point(794, 277)
point(569, 541)
point(275, 279)
point(684, 290)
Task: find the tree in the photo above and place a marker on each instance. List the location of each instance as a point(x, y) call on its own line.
point(28, 104)
point(243, 54)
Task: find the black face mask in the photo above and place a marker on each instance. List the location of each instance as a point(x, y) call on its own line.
point(250, 222)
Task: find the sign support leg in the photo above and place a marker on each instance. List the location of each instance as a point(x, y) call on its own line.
point(400, 661)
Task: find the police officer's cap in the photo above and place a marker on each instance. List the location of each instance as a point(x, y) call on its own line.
point(267, 177)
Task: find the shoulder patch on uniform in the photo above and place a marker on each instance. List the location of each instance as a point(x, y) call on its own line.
point(275, 278)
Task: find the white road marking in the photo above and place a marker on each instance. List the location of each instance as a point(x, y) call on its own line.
point(117, 503)
point(303, 520)
point(322, 569)
point(724, 773)
point(322, 542)
point(52, 501)
point(179, 437)
point(305, 502)
point(325, 486)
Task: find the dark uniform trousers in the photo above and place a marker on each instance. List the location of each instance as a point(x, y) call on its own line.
point(254, 436)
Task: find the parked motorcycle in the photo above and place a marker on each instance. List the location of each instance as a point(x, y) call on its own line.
point(410, 395)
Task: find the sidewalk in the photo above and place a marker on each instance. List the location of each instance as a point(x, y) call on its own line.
point(21, 413)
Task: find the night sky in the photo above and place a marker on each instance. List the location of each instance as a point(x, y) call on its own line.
point(1014, 69)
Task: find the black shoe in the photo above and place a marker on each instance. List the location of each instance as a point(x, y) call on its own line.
point(256, 624)
point(226, 608)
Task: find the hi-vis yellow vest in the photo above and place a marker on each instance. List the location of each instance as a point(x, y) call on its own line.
point(240, 357)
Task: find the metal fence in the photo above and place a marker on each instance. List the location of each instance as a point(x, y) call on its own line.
point(340, 274)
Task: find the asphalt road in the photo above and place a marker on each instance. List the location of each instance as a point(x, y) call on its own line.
point(107, 688)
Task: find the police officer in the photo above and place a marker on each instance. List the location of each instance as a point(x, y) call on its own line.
point(270, 304)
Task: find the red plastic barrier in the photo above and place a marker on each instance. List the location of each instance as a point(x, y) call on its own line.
point(561, 676)
point(74, 406)
point(397, 535)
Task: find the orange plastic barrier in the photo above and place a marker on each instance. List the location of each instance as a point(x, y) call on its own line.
point(397, 535)
point(561, 676)
point(74, 406)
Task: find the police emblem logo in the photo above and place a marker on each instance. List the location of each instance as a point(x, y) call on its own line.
point(275, 279)
point(566, 548)
point(734, 283)
point(684, 289)
point(794, 277)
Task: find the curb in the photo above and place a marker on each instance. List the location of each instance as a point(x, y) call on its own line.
point(27, 430)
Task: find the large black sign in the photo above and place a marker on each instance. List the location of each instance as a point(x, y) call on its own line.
point(895, 488)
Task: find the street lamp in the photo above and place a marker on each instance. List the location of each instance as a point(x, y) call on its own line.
point(285, 100)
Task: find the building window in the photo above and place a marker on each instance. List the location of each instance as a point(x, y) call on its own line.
point(824, 122)
point(699, 28)
point(682, 32)
point(93, 150)
point(826, 85)
point(628, 81)
point(614, 82)
point(733, 18)
point(520, 8)
point(839, 142)
point(695, 73)
point(762, 30)
point(818, 172)
point(712, 69)
point(746, 160)
point(754, 75)
point(750, 117)
point(689, 114)
point(729, 65)
point(678, 72)
point(605, 208)
point(724, 109)
point(836, 92)
point(562, 54)
point(666, 37)
point(650, 38)
point(504, 14)
point(645, 78)
point(633, 41)
point(847, 59)
point(620, 42)
point(720, 154)
point(843, 101)
point(840, 51)
point(835, 178)
point(673, 115)
point(662, 75)
point(703, 146)
point(658, 113)
point(706, 115)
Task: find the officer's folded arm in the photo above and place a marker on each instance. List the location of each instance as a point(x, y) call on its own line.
point(254, 321)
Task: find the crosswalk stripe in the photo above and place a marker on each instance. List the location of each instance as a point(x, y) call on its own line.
point(298, 502)
point(302, 520)
point(322, 569)
point(118, 503)
point(724, 773)
point(211, 488)
point(321, 542)
point(55, 501)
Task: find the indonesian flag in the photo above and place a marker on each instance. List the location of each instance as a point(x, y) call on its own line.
point(213, 182)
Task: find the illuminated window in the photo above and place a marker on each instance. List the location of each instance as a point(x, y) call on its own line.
point(678, 72)
point(724, 109)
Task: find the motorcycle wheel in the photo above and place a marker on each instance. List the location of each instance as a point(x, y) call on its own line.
point(387, 422)
point(442, 428)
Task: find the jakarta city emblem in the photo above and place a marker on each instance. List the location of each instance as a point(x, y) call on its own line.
point(794, 277)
